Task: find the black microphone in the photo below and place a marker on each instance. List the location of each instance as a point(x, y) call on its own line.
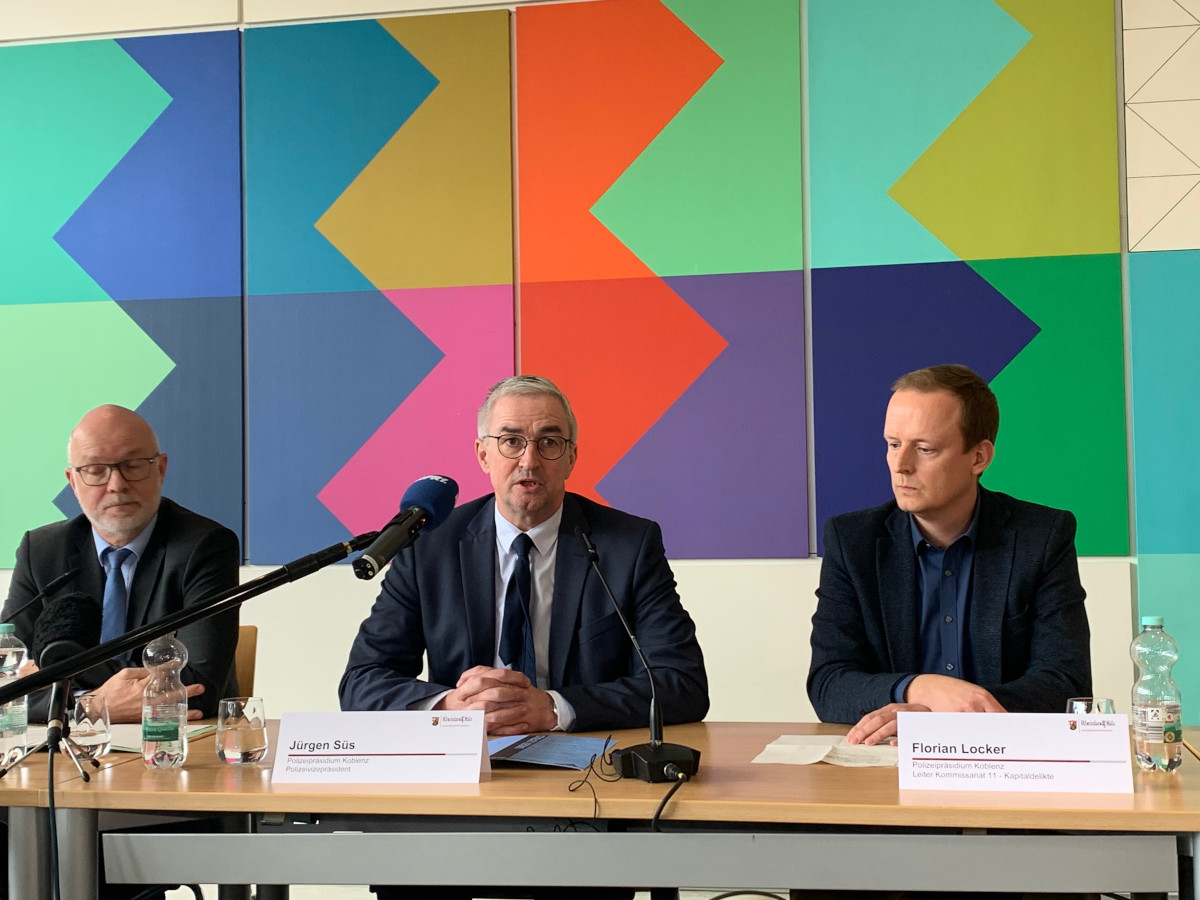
point(67, 626)
point(425, 506)
point(655, 761)
point(48, 591)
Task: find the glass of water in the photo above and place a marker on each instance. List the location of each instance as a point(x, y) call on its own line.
point(90, 730)
point(1090, 706)
point(241, 730)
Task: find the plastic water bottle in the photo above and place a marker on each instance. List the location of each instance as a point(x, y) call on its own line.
point(14, 716)
point(1157, 725)
point(164, 705)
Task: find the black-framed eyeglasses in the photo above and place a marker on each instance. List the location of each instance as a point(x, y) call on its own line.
point(97, 474)
point(549, 446)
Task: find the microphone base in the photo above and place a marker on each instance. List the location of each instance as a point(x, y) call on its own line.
point(649, 762)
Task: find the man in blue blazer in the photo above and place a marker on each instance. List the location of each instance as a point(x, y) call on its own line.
point(949, 597)
point(567, 664)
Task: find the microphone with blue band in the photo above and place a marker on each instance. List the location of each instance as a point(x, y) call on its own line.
point(426, 504)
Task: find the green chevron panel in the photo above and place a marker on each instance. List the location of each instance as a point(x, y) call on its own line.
point(718, 190)
point(1069, 381)
point(84, 341)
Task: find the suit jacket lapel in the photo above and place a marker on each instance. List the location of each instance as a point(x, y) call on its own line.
point(570, 571)
point(90, 579)
point(995, 546)
point(477, 567)
point(149, 569)
point(899, 604)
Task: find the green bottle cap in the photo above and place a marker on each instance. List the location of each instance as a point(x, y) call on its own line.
point(1152, 620)
point(8, 628)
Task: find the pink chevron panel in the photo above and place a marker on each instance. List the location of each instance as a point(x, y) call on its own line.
point(433, 430)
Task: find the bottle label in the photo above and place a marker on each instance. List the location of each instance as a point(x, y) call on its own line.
point(1157, 724)
point(159, 732)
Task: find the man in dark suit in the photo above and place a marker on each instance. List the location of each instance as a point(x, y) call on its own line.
point(566, 665)
point(144, 555)
point(502, 599)
point(950, 597)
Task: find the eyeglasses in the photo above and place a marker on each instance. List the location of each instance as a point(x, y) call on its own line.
point(549, 446)
point(97, 474)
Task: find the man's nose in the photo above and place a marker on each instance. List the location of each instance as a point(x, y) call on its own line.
point(116, 481)
point(902, 459)
point(530, 456)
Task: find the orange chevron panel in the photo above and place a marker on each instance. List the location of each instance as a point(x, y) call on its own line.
point(596, 82)
point(623, 350)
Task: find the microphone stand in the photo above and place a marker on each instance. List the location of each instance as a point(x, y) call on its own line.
point(212, 606)
point(657, 760)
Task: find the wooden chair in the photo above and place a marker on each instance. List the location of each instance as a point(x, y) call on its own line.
point(243, 659)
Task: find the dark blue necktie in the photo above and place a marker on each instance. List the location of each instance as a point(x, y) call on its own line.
point(116, 598)
point(516, 635)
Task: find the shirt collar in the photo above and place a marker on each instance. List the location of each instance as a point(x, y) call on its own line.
point(919, 541)
point(544, 536)
point(137, 545)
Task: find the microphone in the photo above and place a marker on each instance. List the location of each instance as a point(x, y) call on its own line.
point(67, 626)
point(425, 506)
point(655, 761)
point(48, 591)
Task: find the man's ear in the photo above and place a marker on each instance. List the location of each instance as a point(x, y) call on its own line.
point(985, 452)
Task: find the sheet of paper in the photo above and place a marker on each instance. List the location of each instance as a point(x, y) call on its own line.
point(805, 749)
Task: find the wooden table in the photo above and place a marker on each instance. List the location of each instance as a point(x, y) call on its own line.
point(736, 825)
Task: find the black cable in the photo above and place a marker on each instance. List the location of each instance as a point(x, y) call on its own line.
point(54, 882)
point(680, 778)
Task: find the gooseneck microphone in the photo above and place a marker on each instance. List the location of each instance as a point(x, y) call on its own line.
point(657, 760)
point(425, 506)
point(48, 591)
point(67, 626)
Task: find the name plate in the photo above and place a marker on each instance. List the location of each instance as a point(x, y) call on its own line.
point(1014, 752)
point(394, 747)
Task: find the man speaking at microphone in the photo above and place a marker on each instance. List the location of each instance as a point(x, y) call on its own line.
point(144, 555)
point(460, 593)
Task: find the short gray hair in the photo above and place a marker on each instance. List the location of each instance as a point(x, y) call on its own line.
point(524, 386)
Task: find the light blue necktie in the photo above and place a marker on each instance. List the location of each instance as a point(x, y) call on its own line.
point(116, 597)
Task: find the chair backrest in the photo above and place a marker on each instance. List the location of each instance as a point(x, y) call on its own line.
point(243, 659)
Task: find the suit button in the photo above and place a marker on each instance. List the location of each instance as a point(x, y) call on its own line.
point(949, 667)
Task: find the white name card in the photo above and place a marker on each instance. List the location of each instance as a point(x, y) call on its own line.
point(1014, 752)
point(381, 748)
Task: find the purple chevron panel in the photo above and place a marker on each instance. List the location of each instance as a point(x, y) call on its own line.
point(166, 221)
point(724, 470)
point(871, 324)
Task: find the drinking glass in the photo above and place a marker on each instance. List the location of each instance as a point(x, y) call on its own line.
point(241, 730)
point(90, 729)
point(1090, 706)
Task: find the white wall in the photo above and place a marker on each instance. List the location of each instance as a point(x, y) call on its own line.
point(40, 20)
point(752, 618)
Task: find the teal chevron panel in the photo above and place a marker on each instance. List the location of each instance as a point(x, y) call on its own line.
point(320, 101)
point(885, 79)
point(68, 113)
